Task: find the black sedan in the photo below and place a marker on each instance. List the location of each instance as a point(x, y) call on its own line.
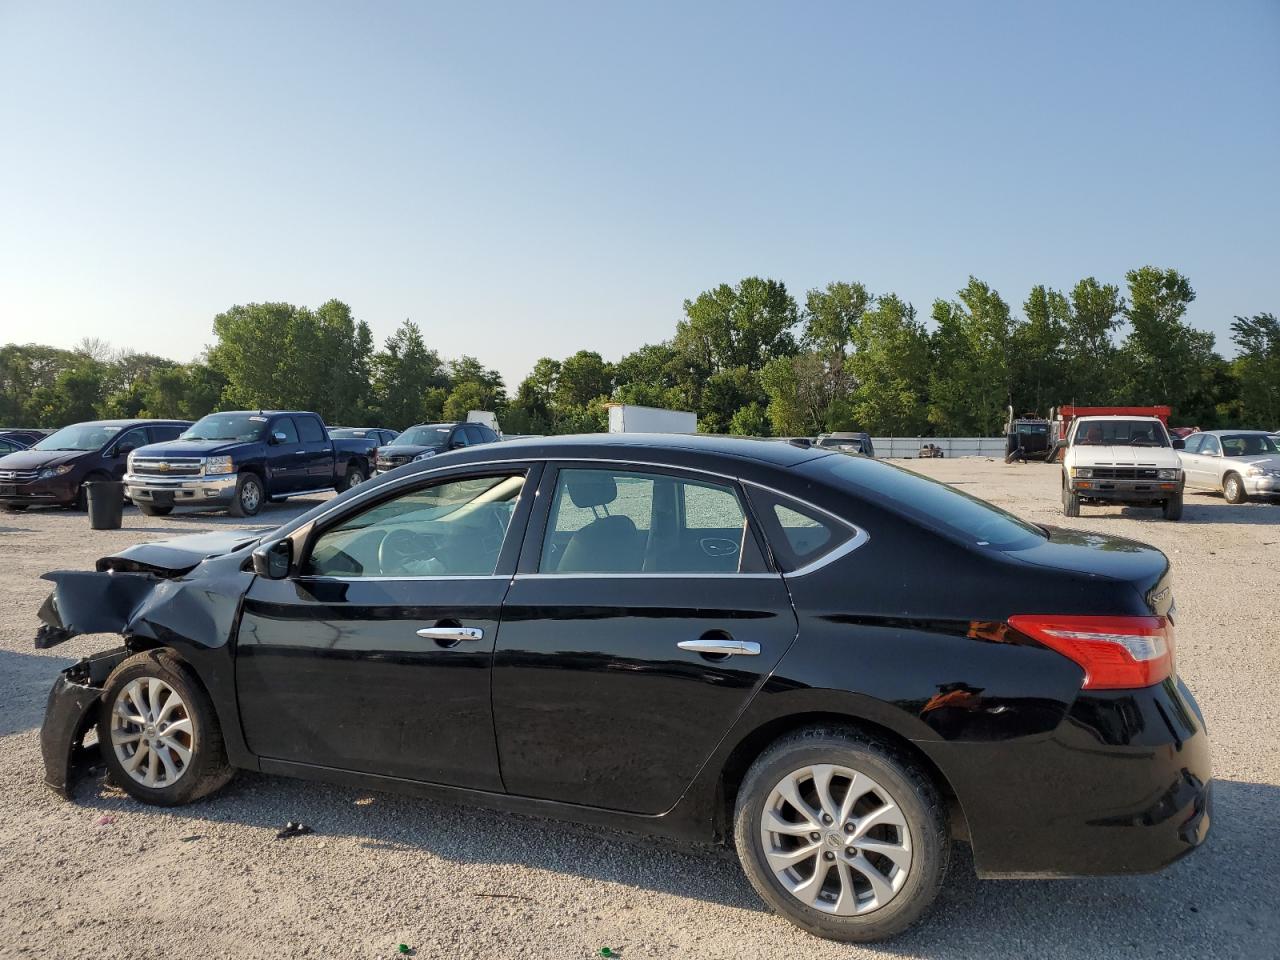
point(836, 664)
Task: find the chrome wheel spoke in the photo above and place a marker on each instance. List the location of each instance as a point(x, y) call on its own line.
point(178, 726)
point(789, 858)
point(900, 855)
point(847, 903)
point(888, 815)
point(790, 792)
point(184, 755)
point(822, 774)
point(132, 763)
point(808, 890)
point(880, 886)
point(775, 824)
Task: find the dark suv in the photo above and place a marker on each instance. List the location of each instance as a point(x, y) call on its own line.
point(55, 469)
point(427, 439)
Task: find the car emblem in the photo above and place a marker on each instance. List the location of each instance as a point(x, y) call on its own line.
point(162, 467)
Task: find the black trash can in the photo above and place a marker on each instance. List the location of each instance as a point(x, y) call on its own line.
point(106, 503)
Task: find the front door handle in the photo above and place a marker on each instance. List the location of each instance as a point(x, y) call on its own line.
point(451, 634)
point(718, 647)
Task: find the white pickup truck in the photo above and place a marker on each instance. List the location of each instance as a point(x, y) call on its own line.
point(1122, 459)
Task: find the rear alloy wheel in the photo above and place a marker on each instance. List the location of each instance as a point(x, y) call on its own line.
point(842, 835)
point(354, 477)
point(158, 732)
point(1233, 489)
point(248, 497)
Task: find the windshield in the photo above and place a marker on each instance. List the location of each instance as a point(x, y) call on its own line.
point(227, 426)
point(426, 436)
point(1122, 433)
point(1249, 445)
point(80, 436)
point(932, 503)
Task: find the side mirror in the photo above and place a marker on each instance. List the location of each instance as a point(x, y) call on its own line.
point(273, 560)
point(1179, 443)
point(279, 437)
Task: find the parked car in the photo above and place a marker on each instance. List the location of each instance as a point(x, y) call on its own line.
point(930, 451)
point(1122, 459)
point(375, 435)
point(824, 658)
point(1237, 463)
point(428, 439)
point(54, 470)
point(848, 443)
point(24, 435)
point(241, 458)
point(11, 445)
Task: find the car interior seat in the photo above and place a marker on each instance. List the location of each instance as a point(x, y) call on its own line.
point(608, 544)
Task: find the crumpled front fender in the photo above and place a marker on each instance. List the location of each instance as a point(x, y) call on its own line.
point(70, 714)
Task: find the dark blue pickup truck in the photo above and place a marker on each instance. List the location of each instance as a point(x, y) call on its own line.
point(241, 459)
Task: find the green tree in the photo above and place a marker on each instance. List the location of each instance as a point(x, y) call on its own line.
point(28, 371)
point(1097, 312)
point(891, 368)
point(797, 400)
point(1163, 357)
point(1039, 363)
point(407, 379)
point(1257, 368)
point(582, 378)
point(972, 378)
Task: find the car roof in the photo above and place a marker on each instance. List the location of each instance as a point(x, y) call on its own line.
point(1236, 433)
point(634, 446)
point(126, 423)
point(1121, 416)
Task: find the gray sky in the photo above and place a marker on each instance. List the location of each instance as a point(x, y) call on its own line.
point(530, 181)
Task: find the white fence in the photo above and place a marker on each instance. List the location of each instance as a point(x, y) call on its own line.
point(951, 446)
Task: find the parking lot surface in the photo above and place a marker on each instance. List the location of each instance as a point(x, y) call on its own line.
point(103, 876)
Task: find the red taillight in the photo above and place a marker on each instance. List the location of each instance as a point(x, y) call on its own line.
point(1117, 653)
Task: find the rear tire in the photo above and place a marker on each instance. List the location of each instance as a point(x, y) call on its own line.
point(176, 718)
point(1233, 489)
point(899, 812)
point(151, 510)
point(248, 496)
point(1172, 508)
point(353, 478)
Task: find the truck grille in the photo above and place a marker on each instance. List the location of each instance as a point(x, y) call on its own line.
point(18, 476)
point(388, 463)
point(1124, 473)
point(168, 466)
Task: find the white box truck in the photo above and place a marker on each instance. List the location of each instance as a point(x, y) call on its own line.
point(631, 418)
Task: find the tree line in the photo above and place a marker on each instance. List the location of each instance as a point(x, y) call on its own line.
point(747, 357)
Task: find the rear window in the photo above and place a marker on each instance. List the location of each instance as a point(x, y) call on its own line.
point(931, 503)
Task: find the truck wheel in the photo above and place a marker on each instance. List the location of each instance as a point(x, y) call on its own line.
point(151, 510)
point(158, 731)
point(1172, 508)
point(1233, 489)
point(1070, 500)
point(355, 476)
point(248, 499)
point(15, 507)
point(841, 834)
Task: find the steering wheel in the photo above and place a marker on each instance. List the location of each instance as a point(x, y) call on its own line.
point(399, 548)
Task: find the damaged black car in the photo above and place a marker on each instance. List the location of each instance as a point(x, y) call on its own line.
point(837, 665)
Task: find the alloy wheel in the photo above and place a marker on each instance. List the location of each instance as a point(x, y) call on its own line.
point(250, 496)
point(151, 732)
point(836, 840)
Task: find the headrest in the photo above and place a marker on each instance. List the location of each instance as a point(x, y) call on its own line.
point(591, 488)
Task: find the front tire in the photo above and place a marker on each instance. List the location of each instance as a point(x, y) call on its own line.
point(248, 496)
point(881, 846)
point(1070, 499)
point(1172, 508)
point(158, 732)
point(1233, 489)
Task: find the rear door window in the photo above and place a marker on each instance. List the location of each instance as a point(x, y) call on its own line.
point(311, 430)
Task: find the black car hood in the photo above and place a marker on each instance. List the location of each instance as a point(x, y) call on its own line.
point(182, 554)
point(38, 459)
point(190, 448)
point(408, 450)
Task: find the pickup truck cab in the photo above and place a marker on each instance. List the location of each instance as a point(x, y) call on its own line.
point(54, 470)
point(1122, 459)
point(240, 459)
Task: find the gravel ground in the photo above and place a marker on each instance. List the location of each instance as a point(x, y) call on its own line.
point(210, 880)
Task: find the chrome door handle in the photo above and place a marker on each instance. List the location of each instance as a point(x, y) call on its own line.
point(451, 634)
point(724, 648)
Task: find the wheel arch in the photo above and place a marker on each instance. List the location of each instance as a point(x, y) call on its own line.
point(760, 738)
